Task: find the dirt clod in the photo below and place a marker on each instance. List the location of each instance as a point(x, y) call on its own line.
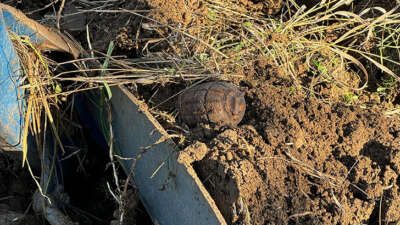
point(298, 161)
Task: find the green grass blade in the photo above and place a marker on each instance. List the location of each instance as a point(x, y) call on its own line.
point(105, 66)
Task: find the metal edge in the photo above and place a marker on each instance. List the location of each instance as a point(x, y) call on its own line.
point(201, 199)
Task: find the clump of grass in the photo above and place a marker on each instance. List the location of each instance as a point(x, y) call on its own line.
point(38, 85)
point(39, 108)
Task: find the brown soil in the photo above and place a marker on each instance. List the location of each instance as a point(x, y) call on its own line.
point(295, 160)
point(193, 12)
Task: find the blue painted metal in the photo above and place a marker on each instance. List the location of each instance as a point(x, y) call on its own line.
point(169, 189)
point(88, 109)
point(19, 28)
point(11, 98)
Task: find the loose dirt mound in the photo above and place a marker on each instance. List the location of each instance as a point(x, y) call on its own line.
point(295, 160)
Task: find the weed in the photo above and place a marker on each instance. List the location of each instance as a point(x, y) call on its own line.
point(349, 97)
point(386, 85)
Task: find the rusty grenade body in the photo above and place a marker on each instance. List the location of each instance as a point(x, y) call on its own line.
point(215, 103)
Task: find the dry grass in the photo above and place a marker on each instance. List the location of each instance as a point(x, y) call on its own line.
point(326, 44)
point(36, 73)
point(324, 39)
point(321, 46)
